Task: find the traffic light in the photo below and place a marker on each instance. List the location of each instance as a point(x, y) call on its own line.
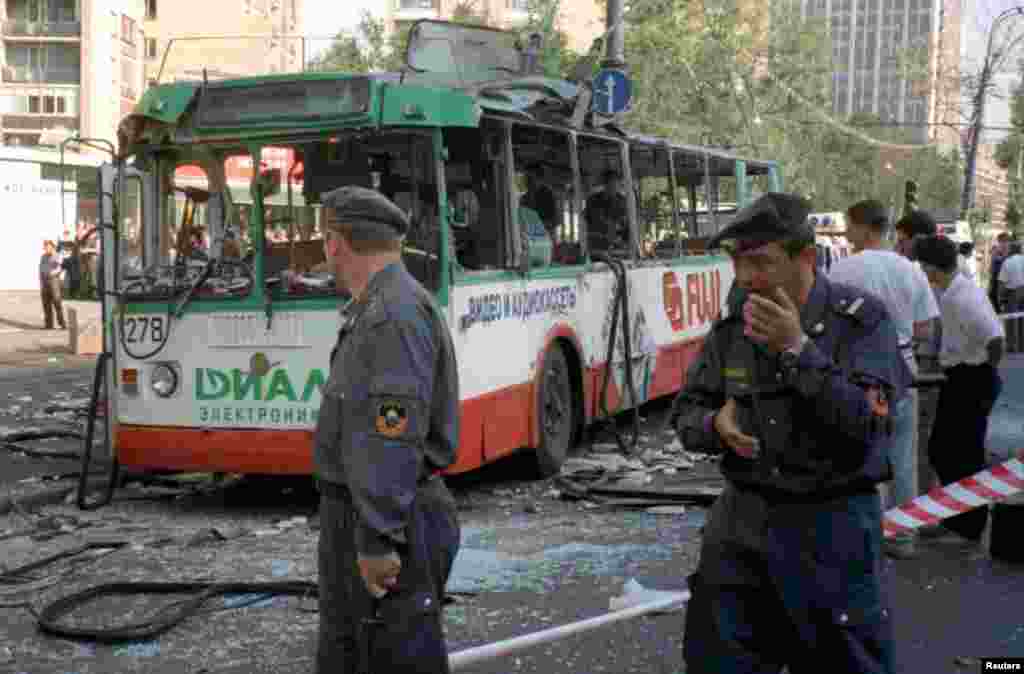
point(910, 197)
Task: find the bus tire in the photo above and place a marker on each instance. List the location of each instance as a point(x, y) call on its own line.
point(555, 412)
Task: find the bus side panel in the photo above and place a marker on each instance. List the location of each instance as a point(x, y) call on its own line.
point(494, 354)
point(671, 307)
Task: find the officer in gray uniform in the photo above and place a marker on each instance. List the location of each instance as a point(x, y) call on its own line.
point(792, 386)
point(389, 421)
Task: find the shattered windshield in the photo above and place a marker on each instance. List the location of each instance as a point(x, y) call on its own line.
point(471, 52)
point(197, 213)
point(180, 226)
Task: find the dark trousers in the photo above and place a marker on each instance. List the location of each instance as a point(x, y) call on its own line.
point(956, 447)
point(50, 292)
point(794, 585)
point(1014, 326)
point(401, 633)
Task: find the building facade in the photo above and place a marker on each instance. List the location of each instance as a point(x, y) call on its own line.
point(269, 45)
point(898, 60)
point(580, 20)
point(68, 67)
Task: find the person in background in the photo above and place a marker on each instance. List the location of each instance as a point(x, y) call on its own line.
point(536, 216)
point(1011, 296)
point(905, 292)
point(999, 252)
point(792, 388)
point(972, 348)
point(916, 224)
point(913, 224)
point(967, 265)
point(50, 287)
point(70, 264)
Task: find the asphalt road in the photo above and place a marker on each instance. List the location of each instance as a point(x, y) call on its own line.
point(529, 560)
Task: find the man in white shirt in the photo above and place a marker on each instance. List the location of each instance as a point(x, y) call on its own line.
point(903, 288)
point(968, 265)
point(1011, 288)
point(972, 346)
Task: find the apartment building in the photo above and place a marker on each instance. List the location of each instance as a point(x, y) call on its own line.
point(192, 27)
point(68, 67)
point(897, 59)
point(580, 20)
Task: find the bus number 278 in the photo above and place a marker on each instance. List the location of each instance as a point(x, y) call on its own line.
point(144, 329)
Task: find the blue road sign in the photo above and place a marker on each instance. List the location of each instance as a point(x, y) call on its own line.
point(613, 92)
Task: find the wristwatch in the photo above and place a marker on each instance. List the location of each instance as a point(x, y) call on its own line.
point(789, 357)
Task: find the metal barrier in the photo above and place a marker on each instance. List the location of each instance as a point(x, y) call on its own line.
point(1013, 328)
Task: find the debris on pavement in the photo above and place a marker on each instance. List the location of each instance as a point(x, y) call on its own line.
point(634, 594)
point(613, 480)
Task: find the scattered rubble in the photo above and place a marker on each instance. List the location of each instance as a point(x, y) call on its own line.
point(631, 480)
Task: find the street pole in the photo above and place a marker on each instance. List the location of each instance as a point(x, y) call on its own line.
point(615, 52)
point(967, 198)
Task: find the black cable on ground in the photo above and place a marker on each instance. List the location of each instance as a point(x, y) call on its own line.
point(22, 436)
point(17, 575)
point(40, 454)
point(164, 620)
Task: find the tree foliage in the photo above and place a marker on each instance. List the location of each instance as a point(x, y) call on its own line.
point(744, 76)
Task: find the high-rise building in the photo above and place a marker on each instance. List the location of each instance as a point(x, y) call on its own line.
point(197, 32)
point(897, 59)
point(68, 67)
point(580, 20)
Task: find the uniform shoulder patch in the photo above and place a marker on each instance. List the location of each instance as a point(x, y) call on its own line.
point(392, 418)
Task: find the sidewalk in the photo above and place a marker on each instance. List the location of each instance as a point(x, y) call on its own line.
point(23, 341)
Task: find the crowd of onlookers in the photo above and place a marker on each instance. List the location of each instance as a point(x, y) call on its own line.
point(932, 288)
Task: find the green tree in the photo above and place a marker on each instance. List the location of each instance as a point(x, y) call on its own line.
point(344, 55)
point(1008, 152)
point(1013, 218)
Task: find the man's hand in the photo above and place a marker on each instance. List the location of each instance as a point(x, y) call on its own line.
point(380, 574)
point(773, 322)
point(729, 430)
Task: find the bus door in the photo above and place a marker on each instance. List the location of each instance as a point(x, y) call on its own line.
point(126, 202)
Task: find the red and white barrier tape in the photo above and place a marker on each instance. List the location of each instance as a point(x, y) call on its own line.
point(990, 485)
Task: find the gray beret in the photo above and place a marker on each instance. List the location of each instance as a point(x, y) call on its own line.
point(772, 217)
point(367, 210)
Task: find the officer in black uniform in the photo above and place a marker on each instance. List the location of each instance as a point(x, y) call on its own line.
point(389, 421)
point(792, 387)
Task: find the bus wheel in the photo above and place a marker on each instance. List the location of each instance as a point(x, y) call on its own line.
point(555, 413)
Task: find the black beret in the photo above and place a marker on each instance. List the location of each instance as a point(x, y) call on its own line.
point(367, 210)
point(772, 217)
point(938, 251)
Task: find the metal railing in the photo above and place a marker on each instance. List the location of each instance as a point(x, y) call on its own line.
point(417, 5)
point(38, 122)
point(47, 75)
point(43, 28)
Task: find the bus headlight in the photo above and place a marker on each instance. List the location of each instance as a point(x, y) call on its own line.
point(164, 380)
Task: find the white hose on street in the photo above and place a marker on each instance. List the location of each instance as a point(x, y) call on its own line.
point(465, 658)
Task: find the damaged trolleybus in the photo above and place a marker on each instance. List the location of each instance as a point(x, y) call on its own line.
point(566, 256)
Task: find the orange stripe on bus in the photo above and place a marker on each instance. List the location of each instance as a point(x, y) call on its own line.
point(493, 425)
point(216, 450)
